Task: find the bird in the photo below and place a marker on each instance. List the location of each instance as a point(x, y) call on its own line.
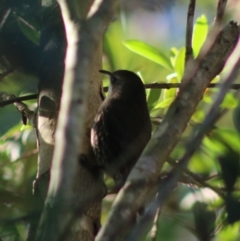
point(122, 125)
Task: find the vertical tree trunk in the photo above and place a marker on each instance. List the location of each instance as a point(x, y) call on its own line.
point(53, 47)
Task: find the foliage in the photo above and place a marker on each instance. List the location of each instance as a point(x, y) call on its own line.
point(215, 166)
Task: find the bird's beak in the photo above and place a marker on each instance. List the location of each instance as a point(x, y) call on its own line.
point(105, 72)
point(110, 75)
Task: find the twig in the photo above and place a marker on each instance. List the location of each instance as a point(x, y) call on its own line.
point(220, 11)
point(147, 86)
point(189, 31)
point(178, 85)
point(198, 181)
point(18, 99)
point(195, 179)
point(192, 66)
point(214, 32)
point(26, 113)
point(153, 233)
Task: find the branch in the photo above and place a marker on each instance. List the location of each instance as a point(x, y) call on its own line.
point(82, 44)
point(178, 85)
point(23, 108)
point(220, 11)
point(192, 178)
point(189, 31)
point(14, 99)
point(147, 86)
point(146, 172)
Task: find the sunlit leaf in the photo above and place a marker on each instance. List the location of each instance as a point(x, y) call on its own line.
point(148, 52)
point(164, 103)
point(198, 116)
point(172, 92)
point(173, 53)
point(179, 63)
point(208, 98)
point(229, 101)
point(141, 77)
point(153, 97)
point(25, 127)
point(230, 137)
point(199, 34)
point(201, 163)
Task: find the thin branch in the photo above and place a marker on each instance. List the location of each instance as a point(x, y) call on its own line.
point(153, 233)
point(189, 31)
point(147, 86)
point(192, 66)
point(192, 178)
point(17, 99)
point(220, 11)
point(178, 85)
point(26, 113)
point(23, 108)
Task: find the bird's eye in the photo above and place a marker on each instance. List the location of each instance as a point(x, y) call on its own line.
point(113, 79)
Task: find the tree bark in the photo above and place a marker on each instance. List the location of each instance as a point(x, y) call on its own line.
point(53, 46)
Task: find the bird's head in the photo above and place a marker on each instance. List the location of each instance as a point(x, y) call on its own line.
point(124, 84)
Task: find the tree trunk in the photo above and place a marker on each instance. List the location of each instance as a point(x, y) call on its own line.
point(53, 46)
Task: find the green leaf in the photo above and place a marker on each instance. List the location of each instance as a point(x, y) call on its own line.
point(173, 54)
point(207, 97)
point(29, 31)
point(25, 127)
point(164, 103)
point(214, 145)
point(231, 137)
point(148, 52)
point(201, 163)
point(200, 31)
point(169, 93)
point(229, 101)
point(153, 97)
point(198, 116)
point(179, 63)
point(229, 232)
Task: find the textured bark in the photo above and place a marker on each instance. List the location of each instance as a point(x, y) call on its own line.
point(53, 46)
